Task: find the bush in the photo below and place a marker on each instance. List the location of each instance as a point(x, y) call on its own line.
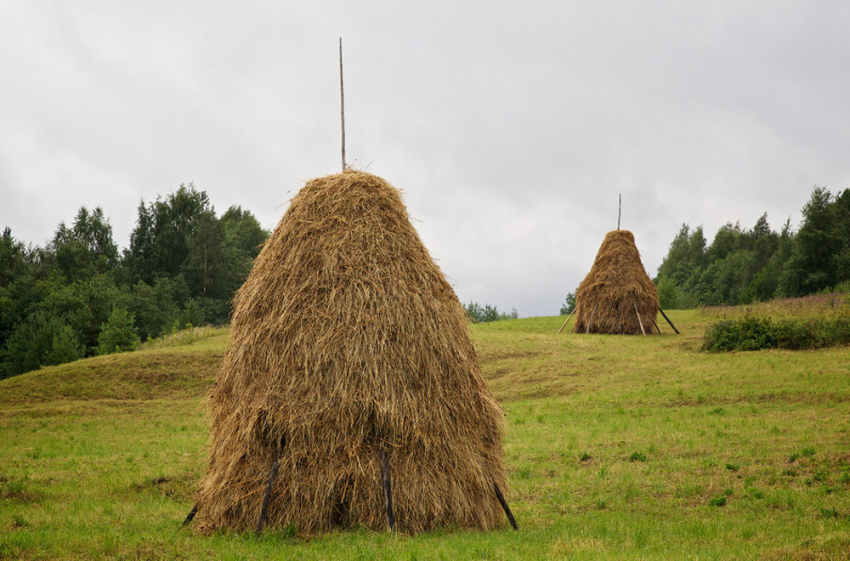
point(118, 334)
point(65, 347)
point(38, 341)
point(752, 334)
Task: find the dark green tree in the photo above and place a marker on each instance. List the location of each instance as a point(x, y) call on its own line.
point(569, 304)
point(118, 334)
point(205, 267)
point(841, 227)
point(160, 243)
point(31, 345)
point(13, 262)
point(811, 266)
point(86, 248)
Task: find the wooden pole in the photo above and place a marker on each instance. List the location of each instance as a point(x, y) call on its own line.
point(268, 494)
point(388, 490)
point(505, 506)
point(568, 320)
point(342, 104)
point(642, 330)
point(656, 327)
point(190, 516)
point(591, 319)
point(668, 321)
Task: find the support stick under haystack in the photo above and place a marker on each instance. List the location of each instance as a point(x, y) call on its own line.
point(640, 322)
point(656, 326)
point(668, 321)
point(591, 319)
point(388, 490)
point(505, 506)
point(568, 320)
point(190, 516)
point(268, 494)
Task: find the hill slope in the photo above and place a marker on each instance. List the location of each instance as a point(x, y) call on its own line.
point(618, 447)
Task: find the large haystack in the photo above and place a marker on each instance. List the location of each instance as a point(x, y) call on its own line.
point(348, 343)
point(617, 296)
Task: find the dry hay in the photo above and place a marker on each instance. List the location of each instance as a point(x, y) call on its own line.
point(346, 339)
point(616, 285)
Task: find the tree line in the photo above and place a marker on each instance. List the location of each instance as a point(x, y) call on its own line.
point(741, 265)
point(79, 295)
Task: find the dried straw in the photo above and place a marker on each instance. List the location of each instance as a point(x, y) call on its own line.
point(616, 284)
point(346, 339)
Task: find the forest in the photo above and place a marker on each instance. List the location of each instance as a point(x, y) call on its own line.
point(80, 296)
point(743, 266)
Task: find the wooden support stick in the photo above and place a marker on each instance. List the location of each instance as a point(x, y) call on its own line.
point(190, 516)
point(505, 506)
point(642, 330)
point(388, 490)
point(668, 321)
point(656, 327)
point(568, 320)
point(342, 104)
point(268, 494)
point(591, 319)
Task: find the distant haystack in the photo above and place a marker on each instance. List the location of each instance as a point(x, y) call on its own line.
point(350, 365)
point(616, 296)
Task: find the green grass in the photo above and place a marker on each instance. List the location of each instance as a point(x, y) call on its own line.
point(618, 447)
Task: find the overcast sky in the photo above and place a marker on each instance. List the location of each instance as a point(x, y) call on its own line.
point(511, 127)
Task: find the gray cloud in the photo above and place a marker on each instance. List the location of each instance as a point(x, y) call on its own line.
point(511, 127)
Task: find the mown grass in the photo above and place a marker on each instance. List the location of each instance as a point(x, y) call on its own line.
point(618, 447)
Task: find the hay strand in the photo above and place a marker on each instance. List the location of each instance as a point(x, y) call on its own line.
point(616, 279)
point(347, 340)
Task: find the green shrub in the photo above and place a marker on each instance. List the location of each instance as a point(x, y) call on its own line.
point(752, 333)
point(66, 347)
point(118, 334)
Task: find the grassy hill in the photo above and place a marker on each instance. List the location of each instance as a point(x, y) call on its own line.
point(619, 447)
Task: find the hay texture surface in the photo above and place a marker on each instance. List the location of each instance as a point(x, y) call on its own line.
point(616, 286)
point(346, 339)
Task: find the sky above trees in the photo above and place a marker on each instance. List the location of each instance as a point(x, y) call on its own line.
point(511, 127)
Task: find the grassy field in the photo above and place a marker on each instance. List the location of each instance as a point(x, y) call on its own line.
point(618, 448)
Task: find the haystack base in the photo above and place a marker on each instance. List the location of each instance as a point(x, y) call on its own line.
point(505, 506)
